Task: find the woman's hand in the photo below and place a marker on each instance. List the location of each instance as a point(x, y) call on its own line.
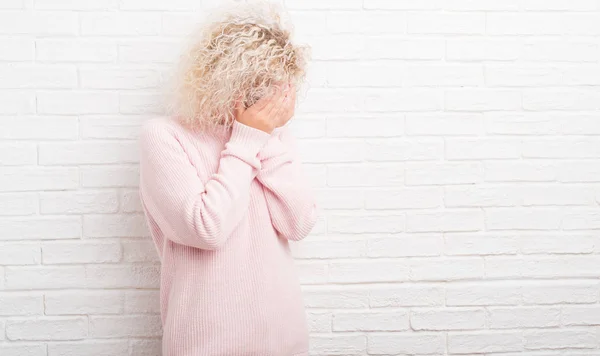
point(269, 112)
point(264, 114)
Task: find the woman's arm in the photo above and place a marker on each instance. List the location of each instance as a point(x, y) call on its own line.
point(289, 197)
point(187, 210)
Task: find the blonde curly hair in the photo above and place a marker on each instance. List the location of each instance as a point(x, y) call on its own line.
point(240, 55)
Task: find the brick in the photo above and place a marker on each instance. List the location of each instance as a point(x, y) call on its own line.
point(23, 350)
point(17, 153)
point(472, 49)
point(475, 148)
point(446, 23)
point(141, 104)
point(157, 5)
point(47, 328)
point(86, 5)
point(560, 50)
point(81, 202)
point(443, 75)
point(542, 267)
point(559, 339)
point(19, 254)
point(457, 220)
point(323, 4)
point(368, 271)
point(125, 326)
point(81, 252)
point(403, 5)
point(130, 201)
point(21, 304)
point(560, 5)
point(562, 148)
point(18, 49)
point(84, 302)
point(409, 198)
point(443, 173)
point(484, 342)
point(445, 270)
point(521, 171)
point(338, 248)
point(356, 224)
point(394, 47)
point(564, 292)
point(12, 4)
point(366, 22)
point(544, 244)
point(308, 127)
point(119, 78)
point(406, 295)
point(403, 100)
point(324, 151)
point(74, 103)
point(541, 100)
point(89, 348)
point(33, 179)
point(523, 218)
point(182, 24)
point(446, 124)
point(142, 302)
point(482, 100)
point(521, 123)
point(483, 294)
point(145, 347)
point(581, 315)
point(25, 76)
point(110, 176)
point(139, 251)
point(371, 321)
point(483, 196)
point(404, 246)
point(56, 227)
point(111, 127)
point(45, 277)
point(339, 297)
point(44, 128)
point(319, 322)
point(404, 150)
point(340, 345)
point(460, 244)
point(581, 219)
point(340, 46)
point(16, 102)
point(75, 50)
point(530, 76)
point(406, 343)
point(120, 24)
point(447, 319)
point(88, 153)
point(125, 276)
point(146, 51)
point(481, 5)
point(578, 171)
point(546, 23)
point(340, 198)
point(53, 23)
point(365, 127)
point(114, 225)
point(524, 317)
point(18, 204)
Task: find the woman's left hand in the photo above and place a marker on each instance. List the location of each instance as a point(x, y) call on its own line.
point(288, 108)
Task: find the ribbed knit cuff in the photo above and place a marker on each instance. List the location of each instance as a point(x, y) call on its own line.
point(250, 138)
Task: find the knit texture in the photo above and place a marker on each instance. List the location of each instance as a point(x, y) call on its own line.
point(222, 207)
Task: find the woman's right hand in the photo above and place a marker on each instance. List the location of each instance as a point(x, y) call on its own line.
point(264, 114)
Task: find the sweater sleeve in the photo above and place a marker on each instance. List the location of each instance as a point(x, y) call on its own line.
point(187, 210)
point(289, 196)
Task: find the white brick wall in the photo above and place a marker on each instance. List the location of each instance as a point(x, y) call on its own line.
point(454, 146)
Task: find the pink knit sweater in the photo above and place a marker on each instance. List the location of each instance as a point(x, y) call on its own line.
point(221, 208)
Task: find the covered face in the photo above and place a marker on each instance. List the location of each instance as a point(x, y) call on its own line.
point(240, 55)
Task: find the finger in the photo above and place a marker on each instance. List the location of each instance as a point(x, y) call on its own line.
point(275, 103)
point(239, 108)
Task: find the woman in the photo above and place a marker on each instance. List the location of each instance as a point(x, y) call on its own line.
point(223, 194)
